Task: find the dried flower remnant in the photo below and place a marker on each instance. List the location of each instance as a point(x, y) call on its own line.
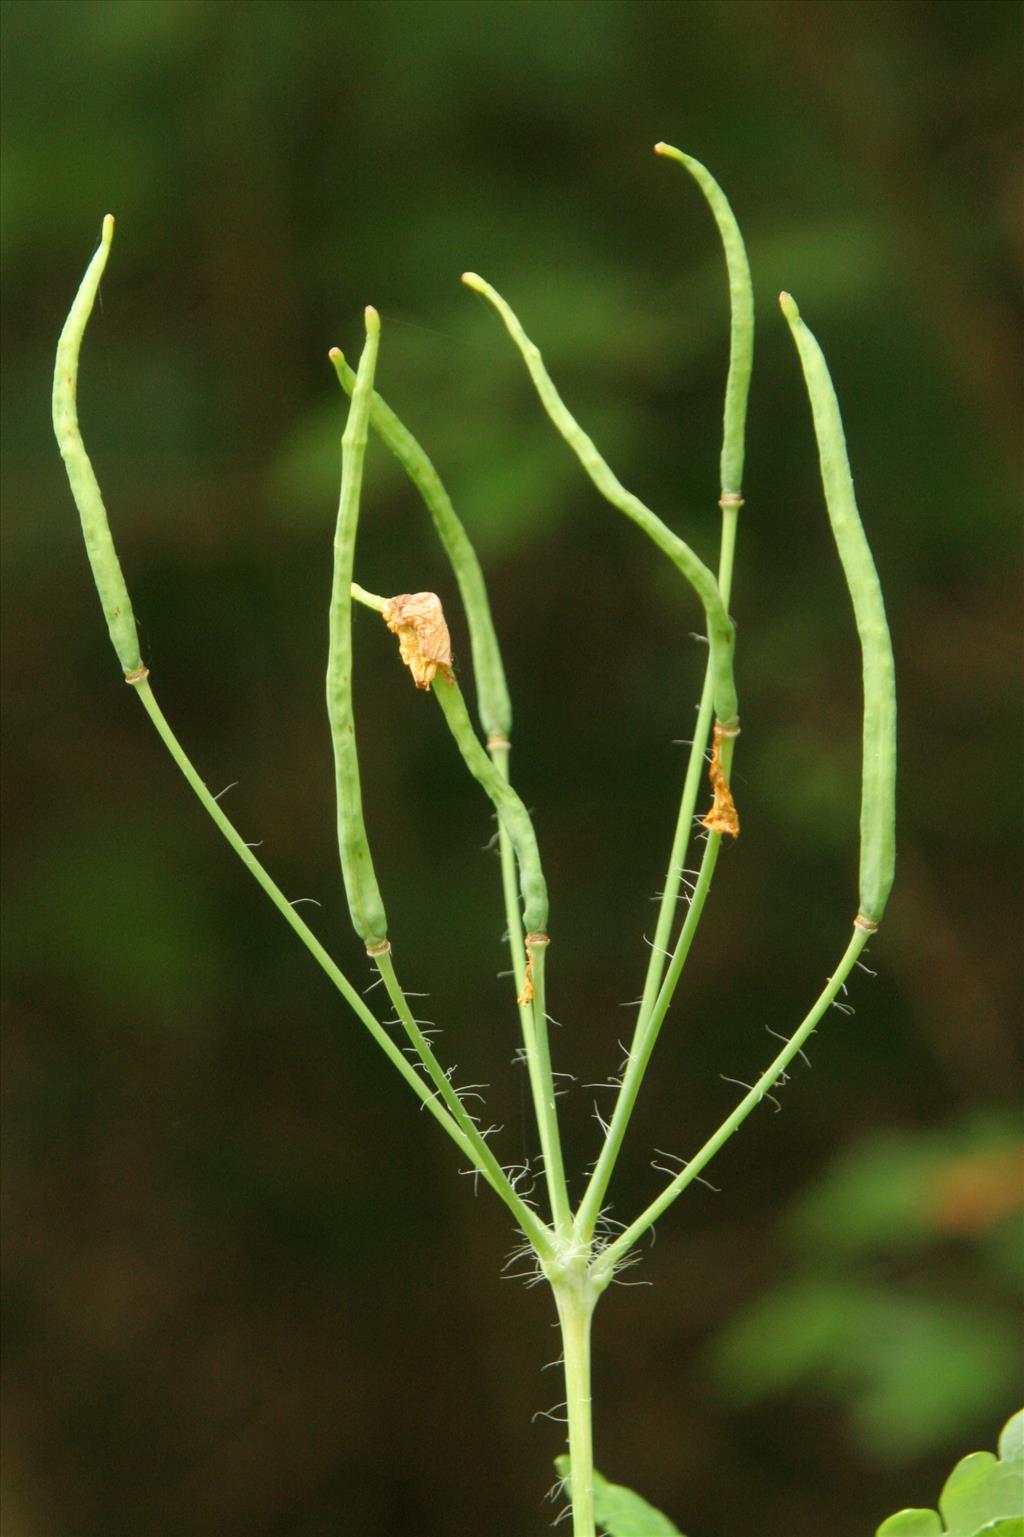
point(723, 816)
point(417, 618)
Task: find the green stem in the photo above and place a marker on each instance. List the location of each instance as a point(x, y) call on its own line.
point(506, 802)
point(613, 1255)
point(515, 820)
point(533, 1027)
point(291, 917)
point(720, 631)
point(543, 1084)
point(647, 1032)
point(534, 1229)
point(575, 1296)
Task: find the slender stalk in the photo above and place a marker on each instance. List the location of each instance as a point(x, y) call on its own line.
point(291, 917)
point(610, 1257)
point(721, 635)
point(532, 1226)
point(688, 801)
point(647, 1032)
point(515, 821)
point(506, 802)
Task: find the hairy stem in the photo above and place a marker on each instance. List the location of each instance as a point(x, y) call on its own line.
point(613, 1255)
point(482, 1157)
point(575, 1297)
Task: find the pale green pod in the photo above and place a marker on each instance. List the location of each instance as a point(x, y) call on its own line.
point(513, 814)
point(741, 322)
point(721, 636)
point(364, 898)
point(493, 704)
point(878, 783)
point(106, 568)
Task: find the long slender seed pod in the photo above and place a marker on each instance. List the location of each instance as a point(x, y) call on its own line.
point(701, 578)
point(741, 310)
point(106, 568)
point(878, 775)
point(493, 704)
point(364, 899)
point(507, 803)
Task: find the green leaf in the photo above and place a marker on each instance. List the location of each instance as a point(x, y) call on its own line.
point(982, 1497)
point(619, 1512)
point(912, 1523)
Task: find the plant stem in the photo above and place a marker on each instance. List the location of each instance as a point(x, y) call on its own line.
point(641, 1047)
point(291, 917)
point(481, 1154)
point(607, 1260)
point(575, 1296)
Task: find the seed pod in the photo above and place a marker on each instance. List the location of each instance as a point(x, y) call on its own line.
point(878, 781)
point(364, 899)
point(106, 568)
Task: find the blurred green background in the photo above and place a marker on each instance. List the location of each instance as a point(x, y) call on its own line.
point(247, 1292)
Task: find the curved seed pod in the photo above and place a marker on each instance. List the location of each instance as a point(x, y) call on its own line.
point(721, 635)
point(106, 568)
point(878, 783)
point(741, 309)
point(493, 704)
point(364, 898)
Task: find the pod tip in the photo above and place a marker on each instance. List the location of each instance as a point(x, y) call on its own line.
point(372, 321)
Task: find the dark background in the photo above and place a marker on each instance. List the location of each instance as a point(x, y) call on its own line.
point(247, 1292)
